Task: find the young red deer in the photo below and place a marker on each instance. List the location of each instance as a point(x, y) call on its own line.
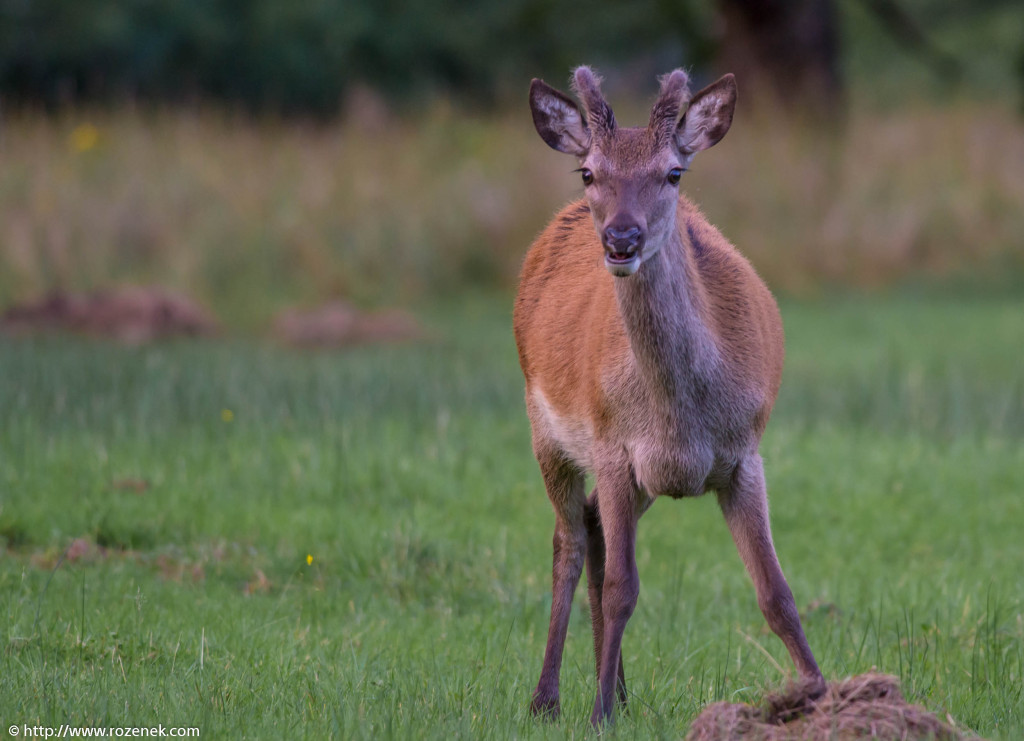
point(657, 374)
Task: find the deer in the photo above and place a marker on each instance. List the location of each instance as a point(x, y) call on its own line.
point(652, 353)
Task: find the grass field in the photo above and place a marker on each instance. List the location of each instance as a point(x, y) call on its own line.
point(249, 216)
point(356, 544)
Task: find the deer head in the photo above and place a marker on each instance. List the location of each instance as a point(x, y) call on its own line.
point(631, 175)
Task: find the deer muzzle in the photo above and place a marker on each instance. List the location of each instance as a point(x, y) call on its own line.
point(622, 248)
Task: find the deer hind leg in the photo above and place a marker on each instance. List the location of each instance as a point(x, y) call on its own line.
point(595, 587)
point(564, 485)
point(745, 506)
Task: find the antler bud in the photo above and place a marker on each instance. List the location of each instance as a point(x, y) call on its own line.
point(587, 86)
point(671, 103)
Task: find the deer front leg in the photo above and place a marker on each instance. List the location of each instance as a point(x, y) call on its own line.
point(565, 489)
point(745, 506)
point(618, 504)
point(595, 587)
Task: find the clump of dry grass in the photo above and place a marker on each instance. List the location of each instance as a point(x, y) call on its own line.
point(869, 706)
point(131, 314)
point(337, 324)
point(250, 216)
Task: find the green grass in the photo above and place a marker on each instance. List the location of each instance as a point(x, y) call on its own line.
point(895, 463)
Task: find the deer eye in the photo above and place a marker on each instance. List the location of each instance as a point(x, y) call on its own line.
point(587, 176)
point(674, 175)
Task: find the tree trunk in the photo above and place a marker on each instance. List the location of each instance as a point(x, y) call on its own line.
point(785, 54)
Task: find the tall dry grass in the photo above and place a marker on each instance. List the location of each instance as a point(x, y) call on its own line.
point(250, 215)
point(931, 192)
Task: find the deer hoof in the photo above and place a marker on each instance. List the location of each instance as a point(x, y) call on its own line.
point(545, 708)
point(600, 720)
point(814, 687)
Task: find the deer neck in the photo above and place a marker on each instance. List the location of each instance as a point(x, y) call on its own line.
point(663, 308)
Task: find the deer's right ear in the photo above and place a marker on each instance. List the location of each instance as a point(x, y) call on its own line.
point(558, 120)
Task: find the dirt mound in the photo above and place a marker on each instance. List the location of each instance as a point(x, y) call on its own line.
point(862, 707)
point(337, 324)
point(131, 315)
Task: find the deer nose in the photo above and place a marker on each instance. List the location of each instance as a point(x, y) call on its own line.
point(623, 239)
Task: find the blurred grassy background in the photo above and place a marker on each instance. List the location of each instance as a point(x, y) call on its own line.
point(250, 215)
point(403, 196)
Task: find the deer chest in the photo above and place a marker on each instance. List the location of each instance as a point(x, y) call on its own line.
point(679, 472)
point(682, 461)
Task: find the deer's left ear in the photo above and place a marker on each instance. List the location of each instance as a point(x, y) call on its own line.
point(708, 117)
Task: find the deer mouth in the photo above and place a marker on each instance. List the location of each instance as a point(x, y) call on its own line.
point(622, 264)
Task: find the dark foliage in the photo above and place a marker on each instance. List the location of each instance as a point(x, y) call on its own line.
point(303, 57)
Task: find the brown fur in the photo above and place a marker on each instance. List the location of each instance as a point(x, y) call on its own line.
point(569, 330)
point(652, 354)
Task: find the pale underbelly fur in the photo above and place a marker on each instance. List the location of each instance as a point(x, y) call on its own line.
point(663, 462)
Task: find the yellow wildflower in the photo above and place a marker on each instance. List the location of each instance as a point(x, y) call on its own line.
point(84, 137)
